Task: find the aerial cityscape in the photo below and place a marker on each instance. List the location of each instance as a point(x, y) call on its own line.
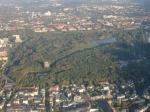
point(74, 56)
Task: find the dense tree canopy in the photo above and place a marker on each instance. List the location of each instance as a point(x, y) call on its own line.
point(77, 57)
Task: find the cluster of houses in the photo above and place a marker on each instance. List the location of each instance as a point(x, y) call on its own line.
point(31, 99)
point(69, 98)
point(67, 18)
point(5, 94)
point(75, 98)
point(5, 44)
point(119, 98)
point(63, 27)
